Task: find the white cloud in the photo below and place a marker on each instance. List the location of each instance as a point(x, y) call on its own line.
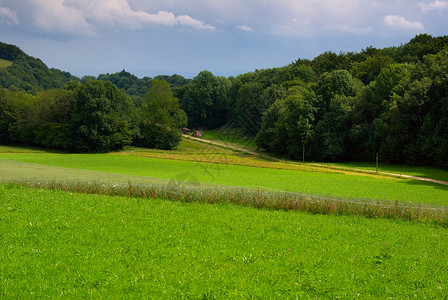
point(86, 16)
point(267, 16)
point(189, 21)
point(400, 22)
point(53, 15)
point(244, 28)
point(8, 15)
point(286, 18)
point(119, 12)
point(426, 7)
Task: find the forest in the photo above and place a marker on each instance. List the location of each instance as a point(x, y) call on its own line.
point(339, 107)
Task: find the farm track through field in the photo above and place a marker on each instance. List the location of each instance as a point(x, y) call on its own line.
point(232, 147)
point(319, 165)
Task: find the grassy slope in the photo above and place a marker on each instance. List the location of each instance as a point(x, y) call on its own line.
point(5, 63)
point(232, 137)
point(61, 245)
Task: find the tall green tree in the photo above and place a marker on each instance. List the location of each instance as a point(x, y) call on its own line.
point(53, 109)
point(205, 100)
point(287, 126)
point(101, 117)
point(160, 118)
point(13, 110)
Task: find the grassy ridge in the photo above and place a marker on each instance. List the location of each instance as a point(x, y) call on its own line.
point(340, 185)
point(5, 63)
point(57, 244)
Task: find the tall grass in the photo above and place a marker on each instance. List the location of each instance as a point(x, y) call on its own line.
point(258, 197)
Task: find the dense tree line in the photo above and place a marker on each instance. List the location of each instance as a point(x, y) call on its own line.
point(346, 106)
point(94, 116)
point(51, 108)
point(135, 86)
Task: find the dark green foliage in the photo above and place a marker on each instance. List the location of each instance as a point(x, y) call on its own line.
point(45, 120)
point(92, 117)
point(160, 118)
point(101, 117)
point(204, 100)
point(13, 107)
point(331, 84)
point(398, 107)
point(28, 73)
point(175, 80)
point(10, 52)
point(330, 61)
point(419, 46)
point(368, 69)
point(287, 124)
point(128, 82)
point(155, 136)
point(135, 86)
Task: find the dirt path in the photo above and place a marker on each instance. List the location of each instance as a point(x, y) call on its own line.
point(231, 147)
point(319, 165)
point(386, 173)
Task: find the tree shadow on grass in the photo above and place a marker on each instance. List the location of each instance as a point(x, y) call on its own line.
point(6, 149)
point(416, 182)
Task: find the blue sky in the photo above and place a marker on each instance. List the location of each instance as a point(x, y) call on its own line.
point(226, 37)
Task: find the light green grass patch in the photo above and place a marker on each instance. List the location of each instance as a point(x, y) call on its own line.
point(56, 244)
point(29, 150)
point(5, 63)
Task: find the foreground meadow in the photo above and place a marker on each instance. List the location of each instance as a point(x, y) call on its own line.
point(58, 244)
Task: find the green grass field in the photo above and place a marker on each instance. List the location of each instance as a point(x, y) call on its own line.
point(135, 166)
point(328, 184)
point(58, 244)
point(5, 63)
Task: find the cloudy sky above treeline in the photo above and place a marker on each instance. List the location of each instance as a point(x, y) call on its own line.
point(226, 37)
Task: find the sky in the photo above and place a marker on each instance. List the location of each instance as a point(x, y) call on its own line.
point(226, 37)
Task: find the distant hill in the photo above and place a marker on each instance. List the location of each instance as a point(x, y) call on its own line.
point(19, 71)
point(139, 87)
